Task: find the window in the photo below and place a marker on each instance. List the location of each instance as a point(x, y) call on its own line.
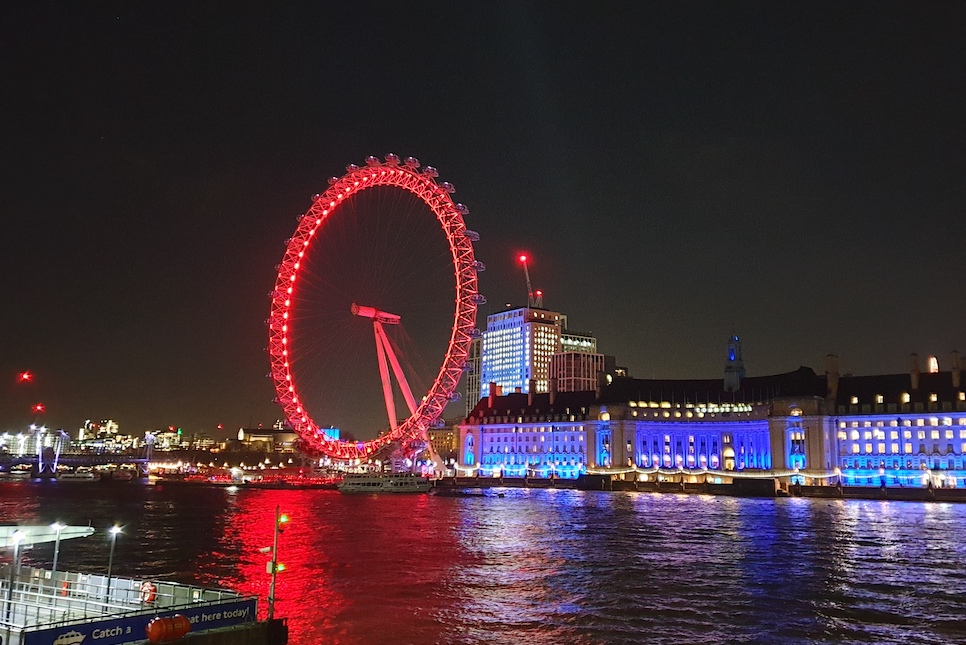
point(904, 398)
point(855, 400)
point(878, 398)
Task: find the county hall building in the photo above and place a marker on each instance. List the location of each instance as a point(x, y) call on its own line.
point(906, 429)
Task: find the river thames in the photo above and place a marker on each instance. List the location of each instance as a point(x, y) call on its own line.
point(536, 566)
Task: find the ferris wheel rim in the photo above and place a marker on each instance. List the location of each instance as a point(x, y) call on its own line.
point(421, 183)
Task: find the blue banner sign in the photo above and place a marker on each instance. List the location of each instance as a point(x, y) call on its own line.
point(132, 629)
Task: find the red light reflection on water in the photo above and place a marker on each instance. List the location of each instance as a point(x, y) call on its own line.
point(339, 557)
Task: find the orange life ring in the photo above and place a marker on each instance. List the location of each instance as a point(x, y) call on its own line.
point(148, 591)
point(64, 588)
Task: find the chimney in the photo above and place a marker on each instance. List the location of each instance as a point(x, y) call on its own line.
point(553, 390)
point(531, 391)
point(492, 398)
point(518, 390)
point(956, 370)
point(832, 375)
point(914, 371)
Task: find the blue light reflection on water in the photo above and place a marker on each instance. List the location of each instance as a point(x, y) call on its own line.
point(542, 566)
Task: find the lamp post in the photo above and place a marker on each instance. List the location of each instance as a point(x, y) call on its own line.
point(57, 526)
point(114, 530)
point(274, 565)
point(17, 538)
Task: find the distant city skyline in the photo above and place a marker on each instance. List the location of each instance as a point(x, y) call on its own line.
point(675, 172)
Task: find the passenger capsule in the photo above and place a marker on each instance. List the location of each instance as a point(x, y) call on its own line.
point(352, 167)
point(373, 161)
point(392, 160)
point(448, 187)
point(463, 210)
point(429, 171)
point(412, 163)
point(333, 180)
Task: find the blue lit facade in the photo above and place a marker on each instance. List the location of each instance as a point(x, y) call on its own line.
point(516, 349)
point(874, 430)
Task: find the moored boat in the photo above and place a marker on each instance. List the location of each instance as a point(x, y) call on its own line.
point(384, 483)
point(78, 476)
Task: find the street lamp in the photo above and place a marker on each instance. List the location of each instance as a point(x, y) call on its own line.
point(114, 530)
point(274, 566)
point(57, 526)
point(17, 537)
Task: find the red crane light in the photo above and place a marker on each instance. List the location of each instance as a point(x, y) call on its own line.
point(522, 258)
point(38, 407)
point(26, 376)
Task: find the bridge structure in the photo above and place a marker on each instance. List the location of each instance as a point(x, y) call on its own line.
point(45, 451)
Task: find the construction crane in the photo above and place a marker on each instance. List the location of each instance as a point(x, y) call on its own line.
point(534, 298)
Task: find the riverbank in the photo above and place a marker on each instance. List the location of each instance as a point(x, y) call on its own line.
point(764, 487)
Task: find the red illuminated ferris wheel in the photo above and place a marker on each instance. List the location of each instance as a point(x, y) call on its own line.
point(284, 346)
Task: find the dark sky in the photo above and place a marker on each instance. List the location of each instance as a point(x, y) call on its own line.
point(679, 170)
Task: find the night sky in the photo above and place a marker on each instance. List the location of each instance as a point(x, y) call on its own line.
point(795, 172)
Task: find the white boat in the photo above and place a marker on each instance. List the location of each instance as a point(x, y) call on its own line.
point(384, 483)
point(78, 476)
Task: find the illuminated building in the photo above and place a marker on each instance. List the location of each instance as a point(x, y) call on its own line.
point(517, 346)
point(576, 341)
point(473, 374)
point(278, 438)
point(888, 430)
point(445, 440)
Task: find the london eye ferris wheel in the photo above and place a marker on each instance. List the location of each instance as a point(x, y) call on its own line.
point(392, 201)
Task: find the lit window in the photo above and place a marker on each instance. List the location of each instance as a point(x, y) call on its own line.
point(855, 400)
point(842, 424)
point(878, 398)
point(868, 448)
point(843, 435)
point(933, 398)
point(907, 434)
point(855, 434)
point(908, 448)
point(920, 422)
point(893, 435)
point(921, 434)
point(934, 434)
point(895, 449)
point(880, 448)
point(949, 434)
point(905, 397)
point(855, 448)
